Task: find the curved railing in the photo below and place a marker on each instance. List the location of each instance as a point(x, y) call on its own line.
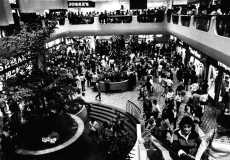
point(133, 109)
point(105, 113)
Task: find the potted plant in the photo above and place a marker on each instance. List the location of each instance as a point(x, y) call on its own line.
point(39, 95)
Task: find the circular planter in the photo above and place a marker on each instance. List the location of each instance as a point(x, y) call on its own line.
point(45, 151)
point(83, 114)
point(115, 86)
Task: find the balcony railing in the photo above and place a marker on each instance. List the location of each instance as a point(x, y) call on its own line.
point(150, 18)
point(119, 19)
point(175, 19)
point(81, 20)
point(223, 25)
point(185, 20)
point(202, 22)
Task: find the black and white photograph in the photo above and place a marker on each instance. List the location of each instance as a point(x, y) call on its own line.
point(114, 80)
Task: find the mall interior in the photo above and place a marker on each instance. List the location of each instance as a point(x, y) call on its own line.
point(114, 79)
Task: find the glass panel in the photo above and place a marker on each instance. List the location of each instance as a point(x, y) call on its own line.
point(185, 20)
point(150, 18)
point(223, 25)
point(78, 19)
point(175, 19)
point(115, 19)
point(202, 22)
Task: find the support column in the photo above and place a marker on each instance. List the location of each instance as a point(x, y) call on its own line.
point(205, 74)
point(206, 62)
point(187, 56)
point(218, 84)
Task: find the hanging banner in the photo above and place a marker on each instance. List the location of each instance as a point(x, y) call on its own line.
point(82, 4)
point(11, 66)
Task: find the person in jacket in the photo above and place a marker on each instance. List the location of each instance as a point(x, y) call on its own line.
point(185, 140)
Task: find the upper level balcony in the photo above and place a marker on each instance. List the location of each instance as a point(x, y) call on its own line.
point(209, 34)
point(113, 25)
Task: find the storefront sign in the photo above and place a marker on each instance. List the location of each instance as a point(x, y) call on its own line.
point(181, 42)
point(223, 66)
point(83, 4)
point(10, 67)
point(195, 53)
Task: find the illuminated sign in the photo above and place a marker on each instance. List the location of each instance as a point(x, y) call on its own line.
point(10, 67)
point(195, 53)
point(13, 3)
point(224, 66)
point(83, 4)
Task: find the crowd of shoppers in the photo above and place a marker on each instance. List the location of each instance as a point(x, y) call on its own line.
point(159, 68)
point(177, 121)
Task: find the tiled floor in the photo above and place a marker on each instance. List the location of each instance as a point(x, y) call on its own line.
point(118, 100)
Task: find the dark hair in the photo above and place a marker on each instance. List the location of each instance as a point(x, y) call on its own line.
point(186, 120)
point(155, 101)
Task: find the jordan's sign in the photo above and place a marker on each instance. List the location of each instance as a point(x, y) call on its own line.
point(83, 4)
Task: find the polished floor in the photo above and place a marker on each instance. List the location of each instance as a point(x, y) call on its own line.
point(119, 100)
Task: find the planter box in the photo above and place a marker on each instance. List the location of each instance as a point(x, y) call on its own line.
point(115, 86)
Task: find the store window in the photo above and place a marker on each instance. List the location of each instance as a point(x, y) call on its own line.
point(182, 52)
point(199, 67)
point(69, 41)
